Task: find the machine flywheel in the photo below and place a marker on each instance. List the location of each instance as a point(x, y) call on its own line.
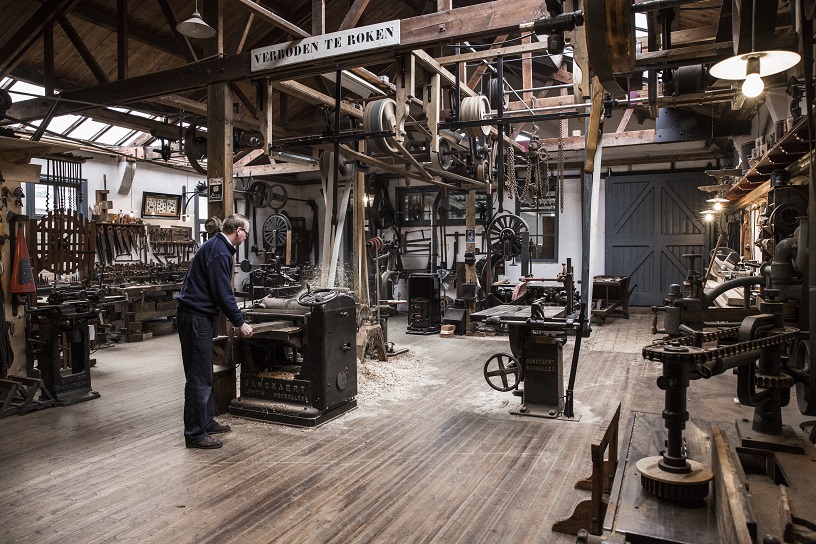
point(505, 235)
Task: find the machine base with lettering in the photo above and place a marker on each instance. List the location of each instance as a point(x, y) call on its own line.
point(300, 366)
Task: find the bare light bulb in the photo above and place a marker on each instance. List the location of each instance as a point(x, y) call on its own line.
point(708, 217)
point(752, 86)
point(717, 206)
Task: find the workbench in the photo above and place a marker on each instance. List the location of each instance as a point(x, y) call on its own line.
point(149, 310)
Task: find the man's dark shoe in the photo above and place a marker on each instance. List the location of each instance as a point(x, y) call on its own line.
point(205, 443)
point(216, 428)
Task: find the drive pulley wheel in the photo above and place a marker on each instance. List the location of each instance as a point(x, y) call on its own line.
point(442, 160)
point(805, 389)
point(502, 372)
point(495, 93)
point(345, 169)
point(274, 231)
point(379, 116)
point(257, 194)
point(317, 297)
point(505, 235)
point(475, 108)
point(276, 197)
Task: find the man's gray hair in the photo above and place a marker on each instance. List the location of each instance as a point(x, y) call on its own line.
point(232, 222)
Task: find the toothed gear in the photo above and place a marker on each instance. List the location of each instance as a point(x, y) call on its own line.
point(780, 381)
point(689, 486)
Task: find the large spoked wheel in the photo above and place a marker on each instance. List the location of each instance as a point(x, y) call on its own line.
point(505, 235)
point(274, 231)
point(502, 372)
point(805, 390)
point(317, 297)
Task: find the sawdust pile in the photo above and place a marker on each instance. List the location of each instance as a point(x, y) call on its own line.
point(401, 377)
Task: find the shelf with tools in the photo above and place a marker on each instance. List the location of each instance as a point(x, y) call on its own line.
point(774, 153)
point(118, 242)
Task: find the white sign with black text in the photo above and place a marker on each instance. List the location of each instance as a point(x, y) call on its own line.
point(326, 45)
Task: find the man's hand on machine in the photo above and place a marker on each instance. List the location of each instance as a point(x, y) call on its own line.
point(245, 330)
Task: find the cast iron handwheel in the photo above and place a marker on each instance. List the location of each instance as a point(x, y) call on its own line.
point(505, 365)
point(317, 297)
point(274, 231)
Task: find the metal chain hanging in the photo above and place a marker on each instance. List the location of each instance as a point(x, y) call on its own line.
point(512, 184)
point(47, 186)
point(528, 189)
point(560, 163)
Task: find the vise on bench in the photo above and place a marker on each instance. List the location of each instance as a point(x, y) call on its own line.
point(300, 365)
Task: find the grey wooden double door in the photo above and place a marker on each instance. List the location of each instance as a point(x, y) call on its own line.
point(651, 221)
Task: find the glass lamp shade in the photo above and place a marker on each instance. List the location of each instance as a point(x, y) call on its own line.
point(771, 62)
point(195, 27)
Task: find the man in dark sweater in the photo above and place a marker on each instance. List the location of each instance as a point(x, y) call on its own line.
point(207, 291)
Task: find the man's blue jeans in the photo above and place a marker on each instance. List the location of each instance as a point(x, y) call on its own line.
point(196, 337)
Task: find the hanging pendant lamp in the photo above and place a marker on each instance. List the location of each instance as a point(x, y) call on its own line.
point(195, 27)
point(752, 67)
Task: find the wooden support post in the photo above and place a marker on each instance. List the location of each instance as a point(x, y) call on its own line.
point(361, 289)
point(527, 72)
point(219, 146)
point(265, 113)
point(405, 91)
point(318, 17)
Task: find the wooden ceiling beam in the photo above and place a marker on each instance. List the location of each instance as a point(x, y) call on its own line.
point(277, 169)
point(354, 14)
point(276, 20)
point(511, 50)
point(122, 34)
point(480, 70)
point(138, 33)
point(311, 96)
point(135, 122)
point(183, 46)
point(240, 38)
point(477, 21)
point(48, 59)
point(247, 103)
point(82, 49)
point(12, 51)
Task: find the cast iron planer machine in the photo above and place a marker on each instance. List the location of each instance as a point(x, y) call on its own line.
point(537, 334)
point(300, 365)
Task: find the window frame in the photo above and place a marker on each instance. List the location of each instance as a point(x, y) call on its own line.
point(539, 211)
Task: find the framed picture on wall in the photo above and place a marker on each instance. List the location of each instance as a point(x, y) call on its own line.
point(161, 205)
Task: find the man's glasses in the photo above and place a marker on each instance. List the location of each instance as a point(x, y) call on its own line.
point(243, 229)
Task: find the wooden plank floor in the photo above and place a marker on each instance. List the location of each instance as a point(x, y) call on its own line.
point(430, 455)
